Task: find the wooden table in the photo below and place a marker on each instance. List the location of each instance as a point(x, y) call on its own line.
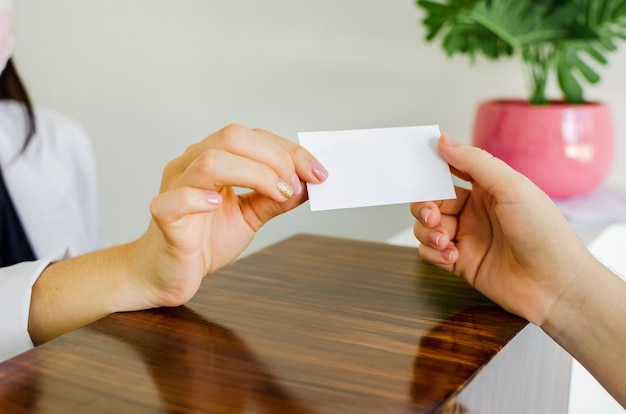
point(309, 325)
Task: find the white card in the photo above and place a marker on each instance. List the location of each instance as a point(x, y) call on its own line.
point(371, 167)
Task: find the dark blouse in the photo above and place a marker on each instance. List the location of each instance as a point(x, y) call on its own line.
point(14, 245)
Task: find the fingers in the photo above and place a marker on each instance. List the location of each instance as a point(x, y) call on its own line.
point(434, 231)
point(176, 204)
point(427, 227)
point(258, 209)
point(436, 221)
point(445, 258)
point(308, 168)
point(238, 156)
point(215, 169)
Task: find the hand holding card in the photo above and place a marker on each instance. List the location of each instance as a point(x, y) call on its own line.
point(370, 167)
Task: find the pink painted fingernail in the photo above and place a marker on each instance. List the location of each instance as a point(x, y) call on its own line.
point(318, 170)
point(296, 184)
point(214, 199)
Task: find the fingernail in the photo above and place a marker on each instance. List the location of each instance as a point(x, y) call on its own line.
point(285, 189)
point(435, 237)
point(318, 170)
point(448, 140)
point(296, 184)
point(425, 213)
point(450, 255)
point(214, 198)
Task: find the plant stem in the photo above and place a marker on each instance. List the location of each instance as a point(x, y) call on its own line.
point(537, 59)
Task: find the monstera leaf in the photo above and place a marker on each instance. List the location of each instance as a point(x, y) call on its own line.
point(598, 25)
point(557, 36)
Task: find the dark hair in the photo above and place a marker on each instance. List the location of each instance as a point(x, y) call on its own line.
point(11, 87)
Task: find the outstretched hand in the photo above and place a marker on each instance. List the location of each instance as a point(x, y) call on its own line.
point(506, 238)
point(199, 224)
point(504, 235)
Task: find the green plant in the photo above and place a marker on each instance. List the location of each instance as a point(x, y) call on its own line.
point(549, 36)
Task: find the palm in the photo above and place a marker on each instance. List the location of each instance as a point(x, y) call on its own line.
point(196, 245)
point(209, 241)
point(225, 233)
point(497, 259)
point(477, 244)
point(199, 244)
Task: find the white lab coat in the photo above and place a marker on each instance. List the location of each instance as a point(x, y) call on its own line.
point(53, 185)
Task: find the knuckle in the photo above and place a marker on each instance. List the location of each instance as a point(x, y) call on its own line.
point(414, 208)
point(484, 152)
point(261, 131)
point(171, 172)
point(176, 166)
point(155, 208)
point(171, 167)
point(169, 206)
point(232, 133)
point(191, 148)
point(286, 160)
point(210, 161)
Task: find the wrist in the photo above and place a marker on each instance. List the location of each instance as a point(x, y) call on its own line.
point(155, 274)
point(131, 290)
point(580, 307)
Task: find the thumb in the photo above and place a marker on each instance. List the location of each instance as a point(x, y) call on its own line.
point(259, 209)
point(477, 165)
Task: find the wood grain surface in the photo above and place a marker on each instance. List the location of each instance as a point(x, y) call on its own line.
point(312, 324)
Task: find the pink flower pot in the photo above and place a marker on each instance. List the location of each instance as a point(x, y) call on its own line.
point(566, 150)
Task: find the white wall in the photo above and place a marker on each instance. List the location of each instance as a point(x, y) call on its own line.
point(146, 78)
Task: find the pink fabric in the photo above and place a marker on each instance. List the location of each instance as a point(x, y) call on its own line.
point(7, 21)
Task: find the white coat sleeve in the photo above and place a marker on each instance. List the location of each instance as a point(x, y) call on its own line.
point(16, 283)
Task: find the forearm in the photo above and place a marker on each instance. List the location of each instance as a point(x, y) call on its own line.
point(589, 321)
point(73, 293)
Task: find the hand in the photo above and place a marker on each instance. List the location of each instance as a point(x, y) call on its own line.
point(504, 236)
point(201, 224)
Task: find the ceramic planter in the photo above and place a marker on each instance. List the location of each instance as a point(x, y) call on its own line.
point(564, 149)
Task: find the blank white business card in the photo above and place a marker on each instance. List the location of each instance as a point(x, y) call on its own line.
point(371, 167)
